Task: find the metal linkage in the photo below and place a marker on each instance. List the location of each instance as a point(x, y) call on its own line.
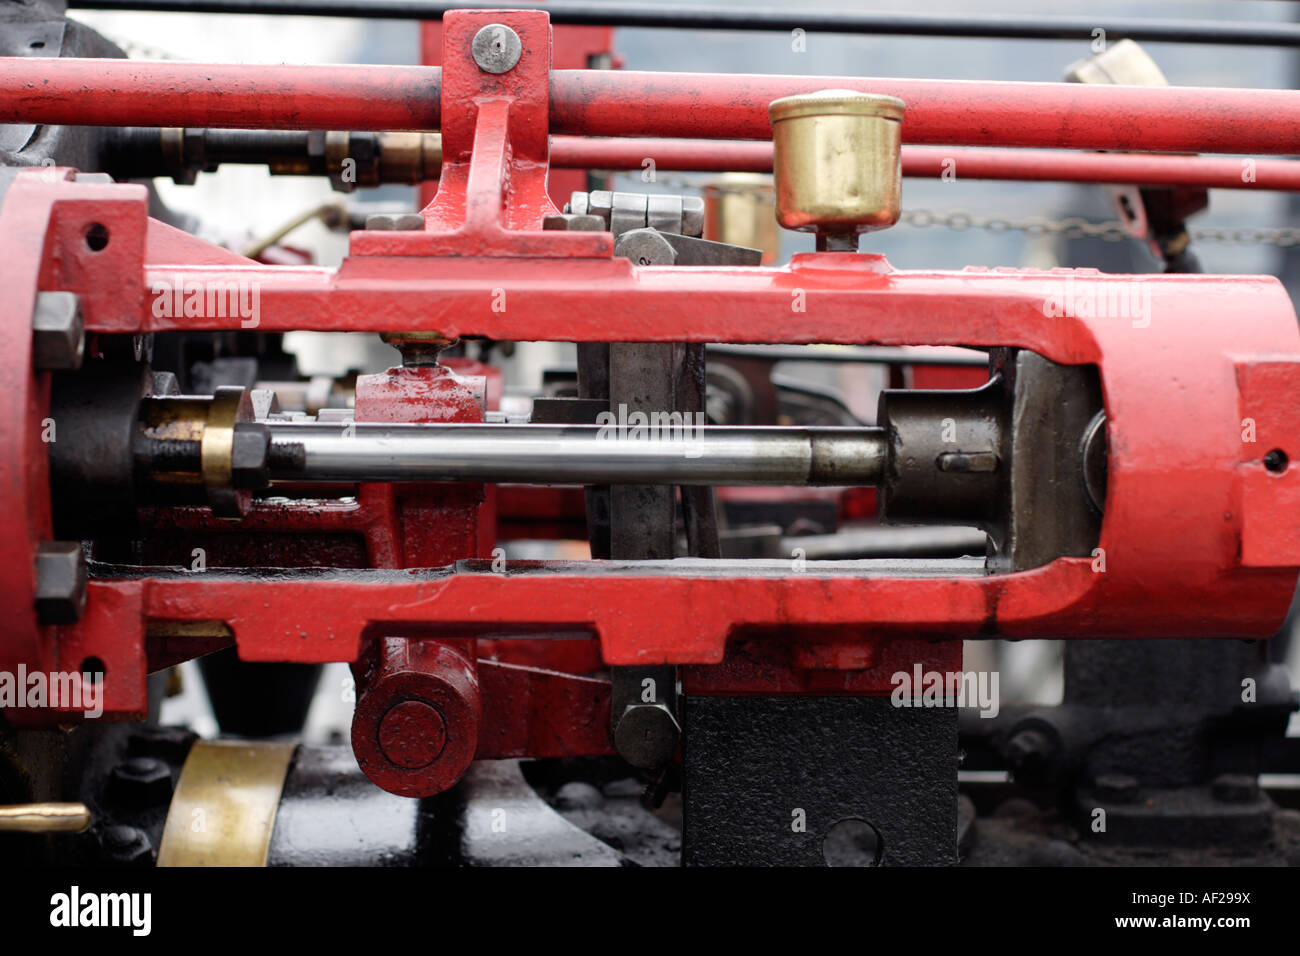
point(581, 454)
point(408, 158)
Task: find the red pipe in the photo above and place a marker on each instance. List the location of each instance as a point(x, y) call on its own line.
point(624, 103)
point(929, 162)
point(946, 112)
point(80, 92)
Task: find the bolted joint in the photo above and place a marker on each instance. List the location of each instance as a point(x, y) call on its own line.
point(60, 582)
point(58, 333)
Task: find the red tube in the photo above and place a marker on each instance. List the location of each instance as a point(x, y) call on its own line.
point(945, 112)
point(689, 155)
point(929, 162)
point(230, 96)
point(624, 103)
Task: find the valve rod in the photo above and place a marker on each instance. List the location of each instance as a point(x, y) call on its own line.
point(576, 454)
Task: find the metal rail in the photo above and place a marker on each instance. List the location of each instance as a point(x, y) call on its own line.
point(690, 17)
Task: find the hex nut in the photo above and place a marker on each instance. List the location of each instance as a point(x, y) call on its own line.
point(574, 222)
point(140, 782)
point(58, 333)
point(126, 845)
point(250, 453)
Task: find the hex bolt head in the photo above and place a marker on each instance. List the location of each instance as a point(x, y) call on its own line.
point(400, 222)
point(163, 743)
point(1235, 788)
point(574, 222)
point(60, 582)
point(140, 782)
point(496, 48)
point(1116, 787)
point(647, 735)
point(58, 333)
point(123, 844)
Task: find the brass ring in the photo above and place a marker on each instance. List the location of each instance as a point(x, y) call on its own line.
point(223, 811)
point(230, 405)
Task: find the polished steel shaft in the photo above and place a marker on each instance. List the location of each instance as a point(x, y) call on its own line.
point(577, 454)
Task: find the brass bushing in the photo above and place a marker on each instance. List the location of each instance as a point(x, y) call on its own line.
point(837, 162)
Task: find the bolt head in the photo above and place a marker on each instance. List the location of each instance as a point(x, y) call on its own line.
point(58, 334)
point(60, 582)
point(574, 222)
point(645, 247)
point(141, 782)
point(496, 48)
point(125, 844)
point(646, 735)
point(164, 743)
point(400, 222)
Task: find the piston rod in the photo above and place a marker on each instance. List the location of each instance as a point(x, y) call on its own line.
point(576, 454)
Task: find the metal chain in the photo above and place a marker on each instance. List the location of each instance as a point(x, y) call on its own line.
point(1071, 228)
point(1108, 231)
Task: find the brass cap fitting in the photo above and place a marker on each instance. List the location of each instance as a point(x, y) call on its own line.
point(837, 162)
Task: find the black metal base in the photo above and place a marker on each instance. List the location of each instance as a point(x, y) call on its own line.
point(786, 781)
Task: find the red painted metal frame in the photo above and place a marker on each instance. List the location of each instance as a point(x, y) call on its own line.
point(1199, 539)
